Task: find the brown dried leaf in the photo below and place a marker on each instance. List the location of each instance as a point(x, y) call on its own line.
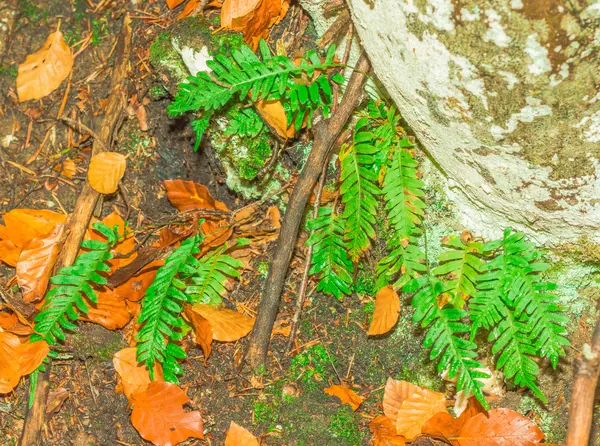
point(105, 171)
point(18, 359)
point(134, 288)
point(346, 395)
point(387, 309)
point(43, 71)
point(56, 398)
point(274, 114)
point(159, 417)
point(36, 263)
point(133, 376)
point(227, 325)
point(416, 410)
point(202, 330)
point(190, 196)
point(111, 311)
point(395, 393)
point(384, 432)
point(23, 225)
point(238, 436)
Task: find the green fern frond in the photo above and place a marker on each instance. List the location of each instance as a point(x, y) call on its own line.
point(359, 189)
point(403, 263)
point(461, 266)
point(243, 122)
point(244, 75)
point(161, 308)
point(72, 284)
point(210, 276)
point(445, 336)
point(330, 261)
point(384, 122)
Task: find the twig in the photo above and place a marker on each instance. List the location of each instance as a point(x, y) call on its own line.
point(76, 124)
point(586, 371)
point(302, 293)
point(325, 133)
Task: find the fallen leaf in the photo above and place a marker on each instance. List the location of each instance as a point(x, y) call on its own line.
point(56, 398)
point(43, 71)
point(110, 311)
point(494, 428)
point(159, 417)
point(252, 17)
point(190, 196)
point(9, 252)
point(18, 358)
point(396, 391)
point(274, 115)
point(172, 4)
point(387, 309)
point(202, 330)
point(67, 168)
point(105, 171)
point(346, 395)
point(384, 432)
point(36, 262)
point(133, 376)
point(416, 410)
point(134, 288)
point(8, 319)
point(238, 436)
point(126, 243)
point(227, 325)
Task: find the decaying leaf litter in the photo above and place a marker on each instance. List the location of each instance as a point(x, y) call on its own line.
point(333, 384)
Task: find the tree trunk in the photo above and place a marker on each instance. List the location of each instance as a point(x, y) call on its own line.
point(505, 100)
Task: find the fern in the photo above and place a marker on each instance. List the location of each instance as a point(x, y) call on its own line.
point(512, 302)
point(243, 122)
point(211, 274)
point(72, 284)
point(461, 265)
point(445, 336)
point(330, 261)
point(402, 191)
point(161, 308)
point(359, 189)
point(302, 87)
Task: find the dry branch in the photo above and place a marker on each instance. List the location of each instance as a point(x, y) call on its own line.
point(80, 218)
point(325, 134)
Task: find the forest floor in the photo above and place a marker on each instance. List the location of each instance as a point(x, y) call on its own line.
point(283, 405)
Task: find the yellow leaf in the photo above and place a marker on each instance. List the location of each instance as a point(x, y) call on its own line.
point(274, 114)
point(416, 410)
point(227, 325)
point(18, 359)
point(238, 436)
point(395, 393)
point(133, 377)
point(384, 432)
point(346, 395)
point(105, 172)
point(43, 71)
point(387, 309)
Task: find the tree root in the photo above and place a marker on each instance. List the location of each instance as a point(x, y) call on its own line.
point(325, 134)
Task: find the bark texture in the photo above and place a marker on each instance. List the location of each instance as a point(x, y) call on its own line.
point(504, 96)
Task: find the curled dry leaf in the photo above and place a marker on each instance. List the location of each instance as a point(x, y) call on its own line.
point(43, 71)
point(252, 17)
point(67, 168)
point(172, 4)
point(416, 410)
point(274, 115)
point(346, 395)
point(159, 417)
point(396, 391)
point(133, 377)
point(111, 310)
point(18, 359)
point(227, 325)
point(384, 432)
point(387, 309)
point(56, 398)
point(238, 436)
point(105, 171)
point(36, 262)
point(23, 225)
point(202, 330)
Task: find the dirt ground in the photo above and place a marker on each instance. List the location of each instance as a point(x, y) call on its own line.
point(285, 405)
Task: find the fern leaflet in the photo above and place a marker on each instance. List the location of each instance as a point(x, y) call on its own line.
point(161, 308)
point(330, 261)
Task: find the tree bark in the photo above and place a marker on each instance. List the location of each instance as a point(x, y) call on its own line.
point(325, 134)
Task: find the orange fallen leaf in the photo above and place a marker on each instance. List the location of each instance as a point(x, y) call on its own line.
point(134, 288)
point(416, 410)
point(202, 330)
point(111, 311)
point(105, 171)
point(36, 262)
point(190, 196)
point(126, 243)
point(159, 417)
point(346, 395)
point(252, 17)
point(396, 391)
point(8, 319)
point(172, 4)
point(227, 325)
point(56, 398)
point(384, 432)
point(133, 377)
point(238, 436)
point(43, 71)
point(387, 309)
point(274, 115)
point(18, 359)
point(9, 252)
point(67, 168)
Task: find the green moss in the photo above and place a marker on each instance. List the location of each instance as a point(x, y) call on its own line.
point(263, 269)
point(547, 422)
point(266, 413)
point(312, 366)
point(9, 71)
point(344, 427)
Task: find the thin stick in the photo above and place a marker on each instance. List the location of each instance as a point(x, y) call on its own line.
point(586, 371)
point(326, 132)
point(302, 293)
